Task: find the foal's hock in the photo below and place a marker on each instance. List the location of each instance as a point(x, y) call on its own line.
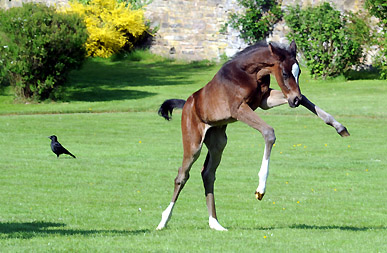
point(237, 89)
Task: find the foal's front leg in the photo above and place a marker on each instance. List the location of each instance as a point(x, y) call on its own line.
point(248, 116)
point(276, 98)
point(328, 119)
point(272, 99)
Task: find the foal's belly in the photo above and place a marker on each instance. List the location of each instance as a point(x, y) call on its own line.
point(221, 122)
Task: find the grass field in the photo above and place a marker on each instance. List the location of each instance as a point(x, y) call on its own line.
point(325, 193)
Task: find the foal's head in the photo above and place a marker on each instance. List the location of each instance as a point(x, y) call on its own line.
point(287, 71)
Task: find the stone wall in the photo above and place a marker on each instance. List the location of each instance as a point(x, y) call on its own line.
point(342, 5)
point(189, 29)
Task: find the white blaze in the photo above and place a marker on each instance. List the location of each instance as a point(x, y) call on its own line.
point(296, 71)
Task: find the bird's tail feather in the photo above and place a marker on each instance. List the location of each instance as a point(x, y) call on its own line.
point(68, 152)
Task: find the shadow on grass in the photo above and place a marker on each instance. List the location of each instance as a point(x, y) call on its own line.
point(99, 94)
point(28, 230)
point(370, 74)
point(348, 228)
point(106, 80)
point(318, 227)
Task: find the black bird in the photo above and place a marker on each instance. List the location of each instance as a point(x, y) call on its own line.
point(57, 148)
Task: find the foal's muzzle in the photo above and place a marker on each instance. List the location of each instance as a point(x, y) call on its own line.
point(294, 101)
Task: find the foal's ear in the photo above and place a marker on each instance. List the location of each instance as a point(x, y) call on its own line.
point(275, 51)
point(293, 48)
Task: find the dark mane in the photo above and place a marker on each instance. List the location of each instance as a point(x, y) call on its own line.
point(249, 49)
point(257, 46)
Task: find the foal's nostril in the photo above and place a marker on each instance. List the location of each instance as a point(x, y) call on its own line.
point(296, 101)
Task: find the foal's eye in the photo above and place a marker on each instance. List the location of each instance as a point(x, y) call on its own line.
point(285, 75)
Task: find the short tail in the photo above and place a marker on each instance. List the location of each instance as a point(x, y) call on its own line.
point(68, 152)
point(167, 107)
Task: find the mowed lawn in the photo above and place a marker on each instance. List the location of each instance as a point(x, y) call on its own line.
point(324, 192)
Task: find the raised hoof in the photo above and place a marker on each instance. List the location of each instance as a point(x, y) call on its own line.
point(344, 132)
point(259, 196)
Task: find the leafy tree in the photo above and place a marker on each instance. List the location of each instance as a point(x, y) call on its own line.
point(326, 37)
point(257, 20)
point(38, 48)
point(378, 8)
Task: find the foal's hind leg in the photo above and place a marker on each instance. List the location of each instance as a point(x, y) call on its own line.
point(215, 141)
point(193, 135)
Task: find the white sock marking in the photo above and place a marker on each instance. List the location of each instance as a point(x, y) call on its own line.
point(166, 215)
point(214, 224)
point(263, 173)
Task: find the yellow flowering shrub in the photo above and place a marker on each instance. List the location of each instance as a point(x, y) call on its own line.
point(111, 25)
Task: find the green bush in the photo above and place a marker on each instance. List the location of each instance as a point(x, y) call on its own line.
point(378, 8)
point(38, 48)
point(257, 20)
point(330, 41)
point(112, 26)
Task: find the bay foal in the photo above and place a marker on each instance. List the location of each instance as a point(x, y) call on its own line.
point(237, 89)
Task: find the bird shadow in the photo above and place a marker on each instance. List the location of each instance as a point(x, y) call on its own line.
point(26, 230)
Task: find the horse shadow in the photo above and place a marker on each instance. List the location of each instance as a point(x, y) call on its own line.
point(336, 227)
point(318, 227)
point(26, 230)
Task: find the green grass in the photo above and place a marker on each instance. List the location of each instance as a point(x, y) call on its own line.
point(325, 193)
